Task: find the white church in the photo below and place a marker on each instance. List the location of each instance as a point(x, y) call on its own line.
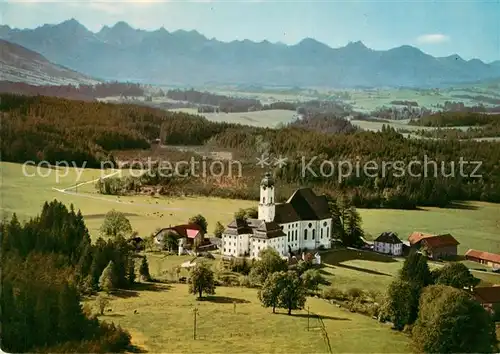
point(303, 222)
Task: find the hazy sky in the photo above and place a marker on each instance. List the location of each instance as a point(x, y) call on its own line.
point(468, 28)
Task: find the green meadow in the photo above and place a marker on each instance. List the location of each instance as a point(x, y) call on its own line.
point(474, 224)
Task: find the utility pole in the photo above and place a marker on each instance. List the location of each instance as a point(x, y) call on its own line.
point(194, 328)
point(307, 318)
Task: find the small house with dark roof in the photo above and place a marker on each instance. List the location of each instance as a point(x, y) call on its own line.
point(304, 221)
point(388, 243)
point(488, 297)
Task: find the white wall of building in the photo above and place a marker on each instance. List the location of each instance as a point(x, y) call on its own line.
point(267, 204)
point(388, 248)
point(235, 245)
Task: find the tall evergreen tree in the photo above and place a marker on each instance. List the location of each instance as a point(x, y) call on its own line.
point(416, 270)
point(131, 271)
point(352, 226)
point(144, 270)
point(107, 279)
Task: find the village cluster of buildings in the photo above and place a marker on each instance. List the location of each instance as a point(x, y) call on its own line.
point(304, 222)
point(433, 246)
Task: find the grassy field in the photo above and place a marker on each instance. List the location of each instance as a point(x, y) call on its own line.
point(164, 322)
point(164, 318)
point(475, 225)
point(268, 118)
point(25, 196)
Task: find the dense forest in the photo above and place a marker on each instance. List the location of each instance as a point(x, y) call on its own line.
point(453, 106)
point(48, 264)
point(224, 103)
point(41, 127)
point(53, 129)
point(457, 119)
point(81, 92)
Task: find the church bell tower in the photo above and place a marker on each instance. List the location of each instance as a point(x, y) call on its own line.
point(266, 202)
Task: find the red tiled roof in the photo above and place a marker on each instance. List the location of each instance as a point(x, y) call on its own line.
point(182, 230)
point(487, 294)
point(191, 233)
point(486, 256)
point(416, 237)
point(440, 241)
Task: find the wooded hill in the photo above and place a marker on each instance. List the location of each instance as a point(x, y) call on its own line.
point(36, 128)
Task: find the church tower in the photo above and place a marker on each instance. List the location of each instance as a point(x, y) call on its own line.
point(266, 202)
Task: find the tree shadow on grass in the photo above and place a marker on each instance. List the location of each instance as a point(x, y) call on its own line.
point(461, 205)
point(125, 293)
point(136, 349)
point(224, 300)
point(344, 255)
point(138, 287)
point(312, 316)
point(364, 270)
point(152, 286)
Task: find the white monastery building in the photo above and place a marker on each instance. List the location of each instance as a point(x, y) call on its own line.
point(303, 222)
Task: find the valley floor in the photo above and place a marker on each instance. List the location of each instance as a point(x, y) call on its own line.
point(474, 224)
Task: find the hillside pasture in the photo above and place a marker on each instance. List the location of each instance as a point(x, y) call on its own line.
point(474, 224)
point(233, 320)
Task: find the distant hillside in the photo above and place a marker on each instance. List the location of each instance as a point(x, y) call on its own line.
point(188, 58)
point(18, 64)
point(80, 92)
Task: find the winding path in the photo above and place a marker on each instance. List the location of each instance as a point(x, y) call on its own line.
point(68, 191)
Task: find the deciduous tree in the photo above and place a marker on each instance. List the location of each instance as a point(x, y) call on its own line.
point(456, 275)
point(271, 289)
point(292, 294)
point(200, 221)
point(116, 224)
point(451, 321)
point(201, 280)
point(101, 303)
point(270, 261)
point(312, 279)
point(218, 230)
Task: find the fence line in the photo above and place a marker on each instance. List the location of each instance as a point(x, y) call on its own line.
point(324, 333)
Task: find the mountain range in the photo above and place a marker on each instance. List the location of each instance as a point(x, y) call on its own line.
point(183, 57)
point(18, 64)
